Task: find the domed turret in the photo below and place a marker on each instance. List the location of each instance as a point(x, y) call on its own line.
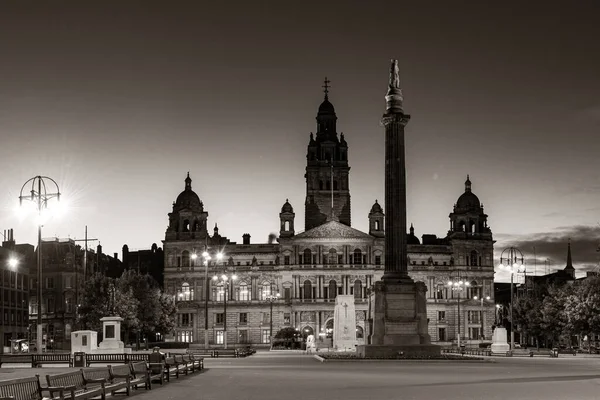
point(468, 216)
point(286, 220)
point(287, 207)
point(468, 200)
point(188, 199)
point(376, 208)
point(411, 238)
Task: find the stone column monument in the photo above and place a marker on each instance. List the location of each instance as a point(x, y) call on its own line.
point(344, 323)
point(399, 308)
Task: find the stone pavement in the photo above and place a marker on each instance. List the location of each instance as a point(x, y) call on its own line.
point(281, 376)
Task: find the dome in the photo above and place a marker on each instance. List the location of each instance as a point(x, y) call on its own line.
point(188, 198)
point(468, 200)
point(376, 208)
point(287, 207)
point(412, 239)
point(326, 107)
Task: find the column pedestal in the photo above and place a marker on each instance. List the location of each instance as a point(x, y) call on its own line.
point(399, 311)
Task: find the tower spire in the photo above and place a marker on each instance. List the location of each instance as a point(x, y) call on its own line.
point(326, 88)
point(569, 259)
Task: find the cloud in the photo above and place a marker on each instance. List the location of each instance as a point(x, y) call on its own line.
point(552, 247)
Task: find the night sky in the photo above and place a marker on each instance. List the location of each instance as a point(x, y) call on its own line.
point(118, 100)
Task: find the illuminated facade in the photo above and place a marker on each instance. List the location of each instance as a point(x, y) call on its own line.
point(309, 269)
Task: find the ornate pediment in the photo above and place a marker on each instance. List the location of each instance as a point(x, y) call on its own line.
point(333, 230)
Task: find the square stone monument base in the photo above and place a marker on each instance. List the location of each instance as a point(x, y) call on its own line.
point(399, 314)
point(111, 343)
point(499, 341)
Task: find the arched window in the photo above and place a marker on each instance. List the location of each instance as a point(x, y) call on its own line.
point(185, 259)
point(219, 292)
point(195, 226)
point(474, 258)
point(307, 331)
point(186, 293)
point(307, 257)
point(327, 185)
point(243, 292)
point(357, 256)
point(265, 290)
point(307, 289)
point(357, 290)
point(286, 226)
point(329, 328)
point(360, 333)
point(377, 225)
point(472, 227)
point(332, 289)
point(186, 225)
point(461, 226)
point(474, 290)
point(332, 256)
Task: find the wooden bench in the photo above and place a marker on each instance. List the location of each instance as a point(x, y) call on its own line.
point(76, 386)
point(226, 353)
point(15, 359)
point(173, 367)
point(202, 352)
point(103, 374)
point(140, 372)
point(198, 361)
point(27, 389)
point(104, 359)
point(37, 360)
point(185, 364)
point(158, 372)
point(193, 365)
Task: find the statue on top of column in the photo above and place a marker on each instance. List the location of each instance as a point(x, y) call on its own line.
point(394, 75)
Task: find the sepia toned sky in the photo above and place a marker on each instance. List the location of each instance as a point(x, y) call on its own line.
point(117, 101)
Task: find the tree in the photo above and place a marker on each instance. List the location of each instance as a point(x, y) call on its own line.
point(527, 314)
point(102, 298)
point(94, 302)
point(157, 310)
point(168, 312)
point(581, 307)
point(554, 317)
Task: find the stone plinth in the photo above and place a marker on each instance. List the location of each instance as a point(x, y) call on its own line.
point(86, 341)
point(499, 341)
point(111, 343)
point(399, 321)
point(344, 323)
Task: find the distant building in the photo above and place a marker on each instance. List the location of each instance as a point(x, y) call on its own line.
point(309, 269)
point(63, 279)
point(145, 262)
point(14, 281)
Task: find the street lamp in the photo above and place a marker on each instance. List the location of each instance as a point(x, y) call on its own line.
point(226, 280)
point(456, 285)
point(487, 298)
point(206, 257)
point(41, 191)
point(271, 298)
point(512, 260)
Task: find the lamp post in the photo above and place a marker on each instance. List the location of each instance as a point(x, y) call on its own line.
point(487, 298)
point(39, 194)
point(271, 298)
point(226, 280)
point(512, 259)
point(206, 257)
point(456, 285)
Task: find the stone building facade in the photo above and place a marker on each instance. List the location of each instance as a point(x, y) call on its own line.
point(309, 269)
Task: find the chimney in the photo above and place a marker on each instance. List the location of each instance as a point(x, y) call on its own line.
point(99, 249)
point(246, 238)
point(116, 256)
point(9, 240)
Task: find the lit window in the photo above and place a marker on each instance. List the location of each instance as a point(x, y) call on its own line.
point(219, 337)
